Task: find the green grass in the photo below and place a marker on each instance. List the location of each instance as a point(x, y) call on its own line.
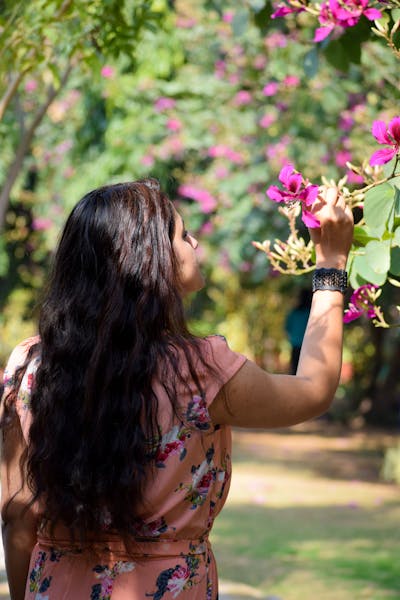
point(292, 531)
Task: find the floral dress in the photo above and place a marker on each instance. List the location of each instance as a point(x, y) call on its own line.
point(193, 469)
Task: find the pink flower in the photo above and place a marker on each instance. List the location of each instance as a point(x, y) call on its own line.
point(295, 189)
point(41, 223)
point(163, 103)
point(281, 10)
point(31, 86)
point(259, 62)
point(147, 160)
point(207, 228)
point(353, 177)
point(267, 120)
point(291, 81)
point(389, 135)
point(185, 22)
point(107, 72)
point(346, 122)
point(220, 69)
point(270, 88)
point(221, 172)
point(174, 125)
point(220, 150)
point(206, 201)
point(228, 15)
point(242, 98)
point(342, 157)
point(361, 304)
point(276, 39)
point(343, 14)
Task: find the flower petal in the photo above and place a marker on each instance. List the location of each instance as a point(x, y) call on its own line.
point(285, 174)
point(275, 194)
point(322, 32)
point(372, 14)
point(294, 183)
point(379, 131)
point(394, 129)
point(351, 314)
point(380, 157)
point(309, 219)
point(309, 194)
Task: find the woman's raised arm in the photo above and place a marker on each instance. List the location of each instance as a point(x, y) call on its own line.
point(255, 398)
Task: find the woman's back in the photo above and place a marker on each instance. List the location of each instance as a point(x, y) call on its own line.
point(185, 490)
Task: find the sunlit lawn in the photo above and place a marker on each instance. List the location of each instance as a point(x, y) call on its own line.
point(307, 518)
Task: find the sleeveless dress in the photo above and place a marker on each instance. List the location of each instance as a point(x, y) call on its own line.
point(192, 476)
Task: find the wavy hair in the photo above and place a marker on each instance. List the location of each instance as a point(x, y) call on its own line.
point(111, 316)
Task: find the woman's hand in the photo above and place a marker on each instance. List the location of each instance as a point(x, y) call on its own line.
point(333, 238)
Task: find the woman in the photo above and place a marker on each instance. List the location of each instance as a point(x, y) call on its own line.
point(116, 439)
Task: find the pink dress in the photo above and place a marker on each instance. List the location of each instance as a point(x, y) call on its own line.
point(193, 469)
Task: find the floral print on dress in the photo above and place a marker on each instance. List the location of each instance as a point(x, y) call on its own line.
point(202, 477)
point(177, 579)
point(197, 413)
point(107, 575)
point(36, 583)
point(172, 443)
point(28, 380)
point(152, 529)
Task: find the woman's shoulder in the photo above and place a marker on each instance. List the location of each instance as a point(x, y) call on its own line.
point(18, 356)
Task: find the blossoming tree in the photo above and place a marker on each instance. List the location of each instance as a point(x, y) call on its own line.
point(375, 257)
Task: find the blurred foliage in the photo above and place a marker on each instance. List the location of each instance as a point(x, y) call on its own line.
point(212, 99)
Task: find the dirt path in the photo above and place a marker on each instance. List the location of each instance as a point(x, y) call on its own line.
point(300, 501)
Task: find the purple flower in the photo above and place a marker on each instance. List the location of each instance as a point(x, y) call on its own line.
point(389, 135)
point(361, 304)
point(343, 14)
point(295, 190)
point(283, 9)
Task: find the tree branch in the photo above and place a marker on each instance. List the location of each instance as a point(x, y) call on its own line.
point(10, 92)
point(25, 143)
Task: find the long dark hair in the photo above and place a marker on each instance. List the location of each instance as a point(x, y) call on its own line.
point(112, 315)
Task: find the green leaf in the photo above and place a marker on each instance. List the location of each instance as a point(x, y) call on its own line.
point(377, 254)
point(378, 205)
point(361, 273)
point(361, 236)
point(388, 167)
point(397, 202)
point(240, 22)
point(311, 62)
point(337, 55)
point(396, 14)
point(395, 261)
point(262, 17)
point(396, 237)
